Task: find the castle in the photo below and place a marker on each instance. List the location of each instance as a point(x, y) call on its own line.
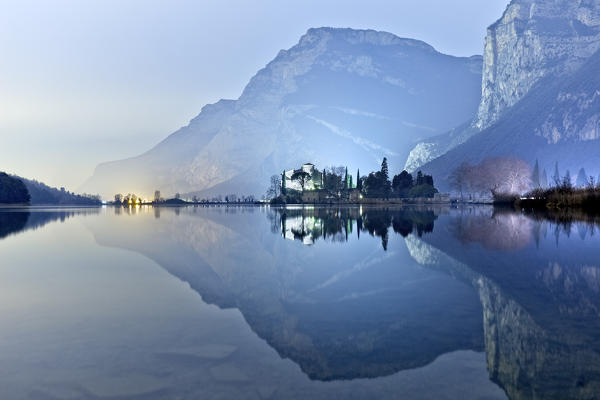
point(314, 181)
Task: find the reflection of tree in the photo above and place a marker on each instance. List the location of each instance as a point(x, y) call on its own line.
point(14, 221)
point(11, 222)
point(336, 224)
point(502, 231)
point(506, 229)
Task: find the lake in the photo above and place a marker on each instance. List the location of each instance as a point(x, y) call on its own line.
point(299, 303)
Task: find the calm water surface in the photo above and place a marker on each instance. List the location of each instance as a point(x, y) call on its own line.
point(261, 303)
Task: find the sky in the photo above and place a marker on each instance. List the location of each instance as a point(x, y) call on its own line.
point(83, 82)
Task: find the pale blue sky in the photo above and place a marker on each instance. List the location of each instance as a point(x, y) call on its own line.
point(83, 82)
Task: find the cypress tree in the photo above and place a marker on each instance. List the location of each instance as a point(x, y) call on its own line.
point(384, 170)
point(535, 176)
point(346, 179)
point(358, 181)
point(556, 176)
point(582, 179)
point(544, 180)
point(283, 189)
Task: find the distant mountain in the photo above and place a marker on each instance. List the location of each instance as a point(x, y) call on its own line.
point(540, 92)
point(338, 97)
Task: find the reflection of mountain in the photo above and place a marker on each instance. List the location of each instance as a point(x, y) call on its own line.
point(340, 312)
point(540, 291)
point(13, 221)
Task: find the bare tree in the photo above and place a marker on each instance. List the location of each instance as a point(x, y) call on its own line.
point(505, 175)
point(274, 187)
point(459, 178)
point(498, 175)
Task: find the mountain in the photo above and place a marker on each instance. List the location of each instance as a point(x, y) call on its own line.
point(539, 92)
point(338, 97)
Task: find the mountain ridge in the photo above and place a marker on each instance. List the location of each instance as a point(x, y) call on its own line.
point(364, 93)
point(533, 44)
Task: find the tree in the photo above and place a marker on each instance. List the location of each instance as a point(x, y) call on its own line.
point(384, 170)
point(346, 179)
point(582, 179)
point(566, 181)
point(419, 180)
point(283, 188)
point(177, 195)
point(358, 180)
point(333, 180)
point(507, 176)
point(13, 190)
point(402, 183)
point(274, 187)
point(301, 177)
point(459, 178)
point(556, 177)
point(535, 176)
point(544, 180)
point(118, 198)
point(157, 196)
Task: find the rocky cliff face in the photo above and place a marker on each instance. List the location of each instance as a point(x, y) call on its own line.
point(534, 44)
point(532, 40)
point(338, 96)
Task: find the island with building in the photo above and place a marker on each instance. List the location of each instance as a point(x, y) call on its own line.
point(335, 185)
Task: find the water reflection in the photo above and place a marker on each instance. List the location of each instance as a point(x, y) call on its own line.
point(378, 292)
point(523, 289)
point(336, 224)
point(539, 284)
point(339, 313)
point(13, 221)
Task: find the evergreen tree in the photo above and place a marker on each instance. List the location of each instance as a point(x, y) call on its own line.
point(556, 176)
point(283, 188)
point(13, 190)
point(358, 182)
point(384, 170)
point(419, 179)
point(346, 179)
point(566, 182)
point(535, 176)
point(582, 179)
point(544, 180)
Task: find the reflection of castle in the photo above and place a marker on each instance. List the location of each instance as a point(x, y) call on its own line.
point(314, 181)
point(337, 224)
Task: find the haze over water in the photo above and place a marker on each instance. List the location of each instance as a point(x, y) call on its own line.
point(267, 303)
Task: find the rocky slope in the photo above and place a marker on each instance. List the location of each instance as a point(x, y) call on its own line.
point(536, 44)
point(339, 96)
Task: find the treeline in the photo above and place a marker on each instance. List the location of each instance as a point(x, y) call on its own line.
point(512, 180)
point(13, 190)
point(19, 190)
point(336, 181)
point(133, 199)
